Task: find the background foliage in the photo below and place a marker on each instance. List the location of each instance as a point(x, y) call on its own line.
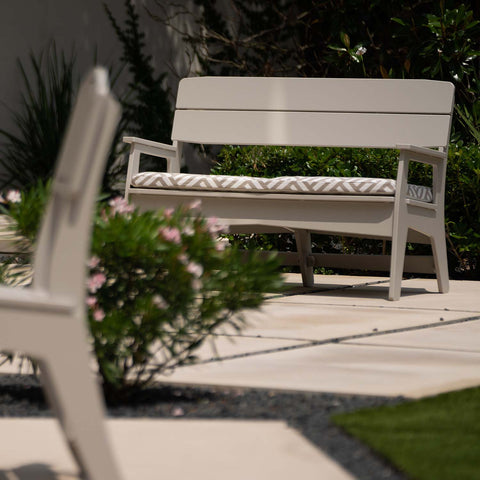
point(462, 210)
point(342, 38)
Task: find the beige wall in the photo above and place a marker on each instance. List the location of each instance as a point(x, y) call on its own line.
point(30, 25)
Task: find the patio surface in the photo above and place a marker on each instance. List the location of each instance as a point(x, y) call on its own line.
point(341, 336)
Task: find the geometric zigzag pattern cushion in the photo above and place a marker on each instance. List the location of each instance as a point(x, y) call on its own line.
point(310, 185)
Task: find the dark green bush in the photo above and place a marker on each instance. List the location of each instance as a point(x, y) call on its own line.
point(462, 200)
point(28, 153)
point(343, 38)
point(145, 104)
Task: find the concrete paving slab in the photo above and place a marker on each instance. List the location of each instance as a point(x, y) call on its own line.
point(331, 281)
point(224, 346)
point(343, 368)
point(152, 449)
point(213, 347)
point(464, 296)
point(464, 337)
point(278, 319)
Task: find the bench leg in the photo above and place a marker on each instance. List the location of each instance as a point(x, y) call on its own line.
point(439, 250)
point(399, 243)
point(304, 248)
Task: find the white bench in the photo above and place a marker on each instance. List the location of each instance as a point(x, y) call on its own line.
point(413, 116)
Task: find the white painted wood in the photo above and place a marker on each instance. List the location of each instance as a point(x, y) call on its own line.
point(304, 248)
point(47, 320)
point(316, 95)
point(381, 263)
point(413, 116)
point(309, 128)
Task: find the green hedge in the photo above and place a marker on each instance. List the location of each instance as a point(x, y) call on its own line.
point(462, 210)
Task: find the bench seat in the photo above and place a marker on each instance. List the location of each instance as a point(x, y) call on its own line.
point(295, 184)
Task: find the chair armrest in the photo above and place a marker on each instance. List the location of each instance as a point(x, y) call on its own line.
point(423, 154)
point(32, 299)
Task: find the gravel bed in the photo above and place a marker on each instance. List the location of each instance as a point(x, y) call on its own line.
point(309, 413)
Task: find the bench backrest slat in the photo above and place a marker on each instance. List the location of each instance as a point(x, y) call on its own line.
point(313, 111)
point(310, 129)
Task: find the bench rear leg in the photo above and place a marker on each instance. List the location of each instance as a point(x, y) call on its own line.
point(304, 248)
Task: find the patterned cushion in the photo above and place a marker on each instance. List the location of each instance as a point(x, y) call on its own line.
point(311, 185)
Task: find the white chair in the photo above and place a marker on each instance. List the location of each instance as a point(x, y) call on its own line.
point(47, 321)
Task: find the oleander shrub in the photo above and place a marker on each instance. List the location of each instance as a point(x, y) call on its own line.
point(462, 209)
point(159, 283)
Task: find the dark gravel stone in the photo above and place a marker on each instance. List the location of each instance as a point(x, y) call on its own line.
point(309, 413)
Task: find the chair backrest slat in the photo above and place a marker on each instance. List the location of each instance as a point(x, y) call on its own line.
point(64, 237)
point(313, 111)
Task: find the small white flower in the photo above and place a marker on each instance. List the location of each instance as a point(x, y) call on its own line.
point(159, 302)
point(361, 51)
point(195, 269)
point(14, 196)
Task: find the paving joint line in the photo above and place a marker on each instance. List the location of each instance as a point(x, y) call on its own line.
point(336, 340)
point(308, 291)
point(389, 307)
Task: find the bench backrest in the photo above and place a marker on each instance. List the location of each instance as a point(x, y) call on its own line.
point(313, 112)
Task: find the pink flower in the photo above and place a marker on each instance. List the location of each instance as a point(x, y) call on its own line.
point(14, 196)
point(195, 269)
point(95, 282)
point(168, 212)
point(178, 412)
point(98, 314)
point(120, 205)
point(195, 205)
point(213, 226)
point(91, 301)
point(93, 262)
point(220, 245)
point(182, 258)
point(171, 234)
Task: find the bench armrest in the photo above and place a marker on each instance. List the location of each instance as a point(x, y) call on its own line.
point(138, 146)
point(436, 158)
point(423, 154)
point(151, 148)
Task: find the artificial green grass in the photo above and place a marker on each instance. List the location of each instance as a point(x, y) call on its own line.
point(435, 438)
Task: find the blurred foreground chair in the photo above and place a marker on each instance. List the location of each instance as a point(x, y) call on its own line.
point(47, 321)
